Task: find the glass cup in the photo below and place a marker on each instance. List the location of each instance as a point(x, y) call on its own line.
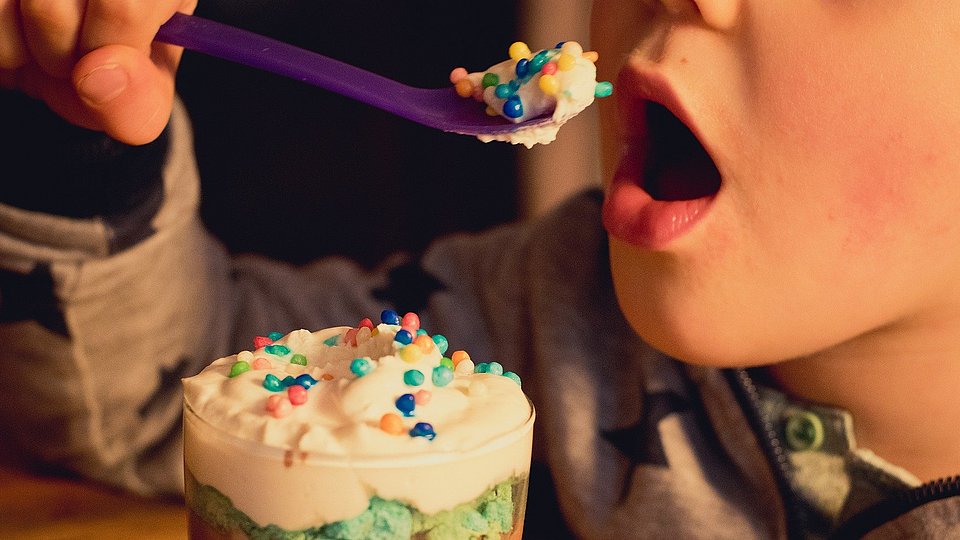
point(237, 488)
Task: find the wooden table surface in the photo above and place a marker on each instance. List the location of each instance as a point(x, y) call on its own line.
point(34, 506)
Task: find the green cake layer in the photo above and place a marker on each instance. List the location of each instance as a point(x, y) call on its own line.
point(489, 516)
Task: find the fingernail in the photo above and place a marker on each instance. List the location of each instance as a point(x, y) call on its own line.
point(103, 84)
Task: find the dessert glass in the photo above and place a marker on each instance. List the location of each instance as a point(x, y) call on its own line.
point(238, 488)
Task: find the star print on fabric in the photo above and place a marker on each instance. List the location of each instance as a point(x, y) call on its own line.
point(640, 442)
point(409, 287)
point(169, 380)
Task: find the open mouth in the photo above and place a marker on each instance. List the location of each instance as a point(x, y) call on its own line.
point(676, 166)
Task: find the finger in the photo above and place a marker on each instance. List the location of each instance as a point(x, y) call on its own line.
point(126, 22)
point(58, 94)
point(130, 97)
point(13, 52)
point(51, 28)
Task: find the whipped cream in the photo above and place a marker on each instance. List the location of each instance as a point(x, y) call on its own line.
point(319, 461)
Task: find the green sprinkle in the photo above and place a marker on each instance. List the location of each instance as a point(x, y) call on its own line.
point(299, 359)
point(239, 367)
point(490, 79)
point(603, 89)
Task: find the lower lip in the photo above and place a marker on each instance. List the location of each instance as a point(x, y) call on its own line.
point(630, 214)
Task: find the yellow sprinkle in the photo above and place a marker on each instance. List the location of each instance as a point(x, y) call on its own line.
point(549, 85)
point(519, 50)
point(424, 342)
point(565, 62)
point(592, 56)
point(572, 48)
point(411, 354)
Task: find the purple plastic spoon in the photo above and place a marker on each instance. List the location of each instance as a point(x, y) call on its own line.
point(439, 108)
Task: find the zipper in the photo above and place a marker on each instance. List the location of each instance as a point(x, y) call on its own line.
point(895, 506)
point(772, 447)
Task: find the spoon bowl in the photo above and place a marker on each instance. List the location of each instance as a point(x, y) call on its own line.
point(439, 108)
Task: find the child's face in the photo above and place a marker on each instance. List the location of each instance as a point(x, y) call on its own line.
point(835, 128)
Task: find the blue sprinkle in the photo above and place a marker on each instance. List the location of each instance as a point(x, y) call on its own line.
point(361, 366)
point(423, 429)
point(512, 108)
point(272, 383)
point(275, 335)
point(503, 91)
point(523, 67)
point(389, 316)
point(413, 377)
point(331, 341)
point(277, 350)
point(404, 337)
point(441, 342)
point(405, 404)
point(559, 44)
point(288, 381)
point(513, 377)
point(482, 367)
point(304, 380)
point(442, 375)
point(495, 367)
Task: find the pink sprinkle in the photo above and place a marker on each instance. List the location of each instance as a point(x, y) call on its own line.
point(457, 74)
point(351, 337)
point(365, 323)
point(279, 406)
point(422, 397)
point(410, 321)
point(550, 68)
point(262, 363)
point(261, 341)
point(297, 394)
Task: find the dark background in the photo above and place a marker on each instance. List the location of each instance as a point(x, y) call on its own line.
point(296, 172)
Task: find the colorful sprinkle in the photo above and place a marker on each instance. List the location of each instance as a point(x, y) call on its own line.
point(422, 397)
point(592, 56)
point(565, 62)
point(464, 87)
point(518, 50)
point(277, 350)
point(366, 323)
point(448, 363)
point(279, 406)
point(522, 68)
point(495, 368)
point(504, 91)
point(482, 367)
point(331, 341)
point(304, 380)
point(389, 316)
point(288, 381)
point(413, 377)
point(459, 356)
point(513, 377)
point(262, 363)
point(425, 343)
point(327, 377)
point(361, 366)
point(350, 337)
point(490, 79)
point(239, 367)
point(403, 337)
point(275, 335)
point(411, 354)
point(406, 404)
point(410, 321)
point(538, 61)
point(261, 341)
point(549, 85)
point(392, 423)
point(272, 383)
point(549, 68)
point(513, 108)
point(297, 394)
point(423, 429)
point(441, 342)
point(442, 375)
point(603, 89)
point(571, 48)
point(465, 367)
point(457, 74)
point(298, 359)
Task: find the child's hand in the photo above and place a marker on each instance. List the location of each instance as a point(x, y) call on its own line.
point(93, 62)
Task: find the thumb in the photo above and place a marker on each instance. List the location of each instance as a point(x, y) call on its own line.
point(127, 95)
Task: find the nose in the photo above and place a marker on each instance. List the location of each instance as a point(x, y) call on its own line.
point(717, 14)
